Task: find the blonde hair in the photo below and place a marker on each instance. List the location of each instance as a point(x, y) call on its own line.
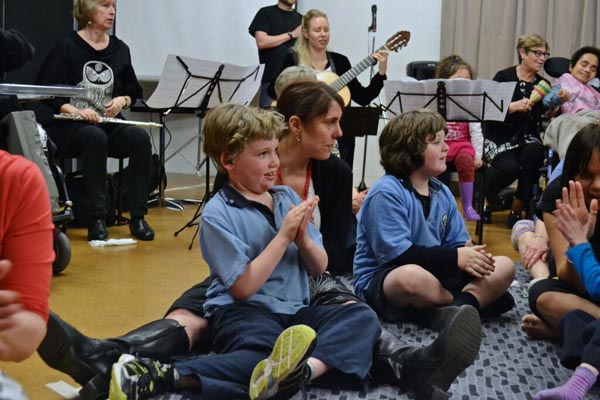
point(448, 66)
point(229, 128)
point(293, 75)
point(301, 47)
point(83, 10)
point(528, 42)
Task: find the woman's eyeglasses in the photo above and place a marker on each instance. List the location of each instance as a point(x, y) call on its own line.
point(539, 53)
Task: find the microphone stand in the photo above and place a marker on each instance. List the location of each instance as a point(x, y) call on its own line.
point(362, 186)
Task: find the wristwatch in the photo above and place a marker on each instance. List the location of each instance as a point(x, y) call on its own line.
point(291, 36)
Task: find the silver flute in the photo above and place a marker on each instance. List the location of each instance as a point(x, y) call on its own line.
point(106, 120)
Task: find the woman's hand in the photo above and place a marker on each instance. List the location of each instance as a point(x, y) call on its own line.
point(535, 249)
point(114, 107)
point(523, 105)
point(477, 163)
point(357, 199)
point(475, 261)
point(382, 57)
point(89, 115)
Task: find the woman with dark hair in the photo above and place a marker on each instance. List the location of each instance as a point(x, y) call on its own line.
point(513, 148)
point(92, 59)
point(562, 292)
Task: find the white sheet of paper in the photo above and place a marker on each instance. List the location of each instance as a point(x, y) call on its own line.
point(466, 100)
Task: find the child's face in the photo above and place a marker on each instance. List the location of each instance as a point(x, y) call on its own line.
point(254, 170)
point(319, 136)
point(434, 157)
point(585, 69)
point(461, 73)
point(590, 179)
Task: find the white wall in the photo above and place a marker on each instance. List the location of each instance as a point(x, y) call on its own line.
point(217, 30)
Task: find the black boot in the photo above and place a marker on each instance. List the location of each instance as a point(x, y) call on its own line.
point(88, 361)
point(429, 371)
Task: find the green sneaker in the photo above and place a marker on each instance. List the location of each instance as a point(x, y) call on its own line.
point(135, 378)
point(286, 367)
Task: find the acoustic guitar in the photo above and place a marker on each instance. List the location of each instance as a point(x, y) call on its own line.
point(339, 83)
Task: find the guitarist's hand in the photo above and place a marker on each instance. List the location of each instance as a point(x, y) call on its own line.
point(382, 56)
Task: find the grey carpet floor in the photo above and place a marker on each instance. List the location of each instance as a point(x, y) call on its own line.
point(509, 366)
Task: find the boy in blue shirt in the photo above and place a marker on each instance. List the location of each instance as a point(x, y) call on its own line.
point(413, 252)
point(260, 246)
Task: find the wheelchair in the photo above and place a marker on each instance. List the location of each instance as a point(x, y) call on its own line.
point(20, 135)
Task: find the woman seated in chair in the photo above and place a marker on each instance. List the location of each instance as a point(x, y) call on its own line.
point(92, 59)
point(513, 148)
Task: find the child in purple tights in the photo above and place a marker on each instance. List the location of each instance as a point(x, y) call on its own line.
point(580, 331)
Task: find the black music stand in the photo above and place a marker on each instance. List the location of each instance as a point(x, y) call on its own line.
point(456, 100)
point(358, 122)
point(187, 85)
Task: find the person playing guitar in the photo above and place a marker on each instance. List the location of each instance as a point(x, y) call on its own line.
point(311, 51)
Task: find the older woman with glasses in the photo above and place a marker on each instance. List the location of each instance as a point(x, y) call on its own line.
point(513, 148)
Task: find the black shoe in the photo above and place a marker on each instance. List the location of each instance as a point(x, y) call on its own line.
point(97, 230)
point(141, 229)
point(513, 218)
point(87, 361)
point(486, 217)
point(430, 371)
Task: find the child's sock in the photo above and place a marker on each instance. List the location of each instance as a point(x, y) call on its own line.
point(463, 298)
point(312, 371)
point(574, 389)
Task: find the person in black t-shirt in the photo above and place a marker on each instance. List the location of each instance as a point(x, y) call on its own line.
point(275, 29)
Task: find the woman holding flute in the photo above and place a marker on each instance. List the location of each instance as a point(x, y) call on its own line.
point(100, 62)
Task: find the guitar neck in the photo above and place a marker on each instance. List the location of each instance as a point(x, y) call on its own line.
point(352, 73)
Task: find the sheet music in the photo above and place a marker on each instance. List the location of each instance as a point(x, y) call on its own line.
point(237, 84)
point(466, 100)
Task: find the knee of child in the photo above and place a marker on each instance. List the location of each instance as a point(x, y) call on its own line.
point(412, 279)
point(547, 301)
point(505, 267)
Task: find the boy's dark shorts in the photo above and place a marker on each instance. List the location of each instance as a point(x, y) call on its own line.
point(375, 297)
point(552, 285)
point(193, 299)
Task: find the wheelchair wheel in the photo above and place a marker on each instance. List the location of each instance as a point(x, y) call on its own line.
point(62, 249)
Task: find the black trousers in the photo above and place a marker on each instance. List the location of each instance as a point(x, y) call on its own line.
point(94, 144)
point(522, 163)
point(581, 339)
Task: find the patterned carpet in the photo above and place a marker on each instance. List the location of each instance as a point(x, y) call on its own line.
point(510, 365)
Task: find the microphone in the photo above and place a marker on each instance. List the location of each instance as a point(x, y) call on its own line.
point(373, 27)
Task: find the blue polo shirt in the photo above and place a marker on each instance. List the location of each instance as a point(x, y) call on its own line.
point(234, 231)
point(391, 220)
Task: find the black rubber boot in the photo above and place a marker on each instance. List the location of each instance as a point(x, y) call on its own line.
point(88, 361)
point(429, 371)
